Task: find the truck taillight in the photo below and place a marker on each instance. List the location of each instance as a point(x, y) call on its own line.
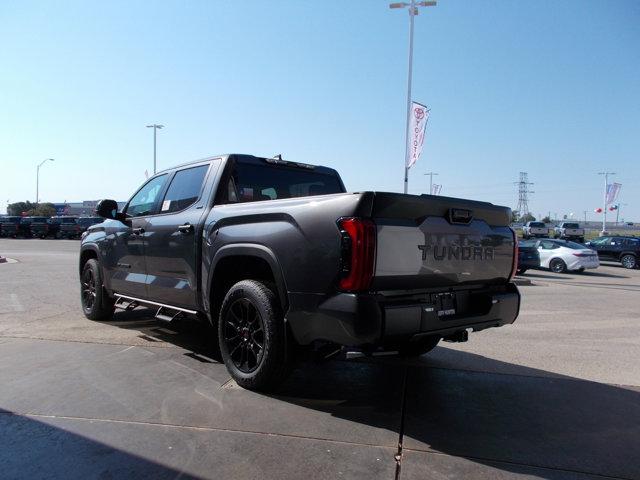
point(358, 253)
point(514, 267)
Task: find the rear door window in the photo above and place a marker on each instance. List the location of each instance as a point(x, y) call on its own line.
point(255, 183)
point(184, 189)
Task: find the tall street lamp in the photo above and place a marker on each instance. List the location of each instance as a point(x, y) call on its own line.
point(155, 128)
point(413, 11)
point(38, 178)
point(431, 174)
point(604, 202)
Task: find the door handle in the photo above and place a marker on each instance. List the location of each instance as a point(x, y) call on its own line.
point(138, 231)
point(186, 228)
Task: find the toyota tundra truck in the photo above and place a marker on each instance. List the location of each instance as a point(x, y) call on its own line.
point(277, 257)
point(535, 230)
point(569, 231)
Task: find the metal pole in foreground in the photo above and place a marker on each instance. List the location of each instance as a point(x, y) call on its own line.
point(604, 200)
point(155, 128)
point(413, 10)
point(38, 178)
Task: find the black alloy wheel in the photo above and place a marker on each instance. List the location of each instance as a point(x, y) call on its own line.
point(88, 289)
point(255, 344)
point(243, 331)
point(558, 266)
point(96, 303)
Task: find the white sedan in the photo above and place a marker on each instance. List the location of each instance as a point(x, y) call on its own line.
point(561, 255)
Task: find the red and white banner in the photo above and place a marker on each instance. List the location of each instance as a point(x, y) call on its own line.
point(419, 116)
point(613, 189)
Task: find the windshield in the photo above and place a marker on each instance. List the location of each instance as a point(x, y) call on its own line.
point(571, 225)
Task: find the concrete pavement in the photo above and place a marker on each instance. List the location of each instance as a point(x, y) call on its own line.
point(556, 395)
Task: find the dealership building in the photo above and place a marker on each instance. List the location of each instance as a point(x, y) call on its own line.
point(85, 208)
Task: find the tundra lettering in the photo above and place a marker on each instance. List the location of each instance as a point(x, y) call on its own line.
point(457, 252)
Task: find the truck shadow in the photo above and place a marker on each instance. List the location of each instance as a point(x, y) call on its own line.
point(466, 405)
point(498, 414)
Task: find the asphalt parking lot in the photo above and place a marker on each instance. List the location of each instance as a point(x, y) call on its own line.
point(555, 396)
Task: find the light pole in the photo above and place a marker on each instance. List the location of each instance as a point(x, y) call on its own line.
point(431, 174)
point(618, 211)
point(155, 128)
point(604, 200)
point(413, 11)
point(38, 178)
point(585, 216)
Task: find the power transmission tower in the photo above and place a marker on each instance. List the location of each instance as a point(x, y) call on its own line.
point(523, 194)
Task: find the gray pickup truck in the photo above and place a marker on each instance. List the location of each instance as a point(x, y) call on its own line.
point(276, 256)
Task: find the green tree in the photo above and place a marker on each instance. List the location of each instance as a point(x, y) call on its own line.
point(31, 209)
point(18, 207)
point(527, 218)
point(546, 219)
point(43, 210)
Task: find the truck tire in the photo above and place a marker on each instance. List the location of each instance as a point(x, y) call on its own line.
point(252, 336)
point(628, 261)
point(557, 265)
point(96, 304)
point(521, 271)
point(415, 349)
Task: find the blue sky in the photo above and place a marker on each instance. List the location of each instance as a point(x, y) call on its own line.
point(547, 87)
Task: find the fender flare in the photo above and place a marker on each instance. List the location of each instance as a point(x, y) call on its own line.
point(251, 250)
point(92, 247)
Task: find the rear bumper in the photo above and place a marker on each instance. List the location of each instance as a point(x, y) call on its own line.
point(368, 319)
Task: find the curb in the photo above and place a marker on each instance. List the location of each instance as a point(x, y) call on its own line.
point(522, 281)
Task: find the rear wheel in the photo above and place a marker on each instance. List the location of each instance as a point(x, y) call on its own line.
point(415, 349)
point(521, 271)
point(628, 261)
point(252, 336)
point(558, 266)
point(96, 304)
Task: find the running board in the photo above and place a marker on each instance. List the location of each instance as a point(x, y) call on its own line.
point(125, 302)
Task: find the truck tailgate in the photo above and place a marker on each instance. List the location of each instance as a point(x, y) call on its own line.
point(432, 241)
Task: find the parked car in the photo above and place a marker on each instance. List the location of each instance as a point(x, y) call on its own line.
point(9, 226)
point(86, 222)
point(276, 256)
point(534, 230)
point(569, 231)
point(562, 256)
point(41, 227)
point(623, 249)
point(68, 227)
point(528, 257)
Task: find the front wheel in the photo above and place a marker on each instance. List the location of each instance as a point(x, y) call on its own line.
point(252, 336)
point(96, 304)
point(558, 266)
point(628, 261)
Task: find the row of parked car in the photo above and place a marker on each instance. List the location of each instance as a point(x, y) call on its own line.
point(564, 230)
point(562, 256)
point(45, 227)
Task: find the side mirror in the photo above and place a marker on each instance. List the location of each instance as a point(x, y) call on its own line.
point(107, 209)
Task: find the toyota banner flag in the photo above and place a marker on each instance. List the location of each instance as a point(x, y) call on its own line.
point(613, 189)
point(417, 126)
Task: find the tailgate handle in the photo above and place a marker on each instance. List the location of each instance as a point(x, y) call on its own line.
point(460, 215)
